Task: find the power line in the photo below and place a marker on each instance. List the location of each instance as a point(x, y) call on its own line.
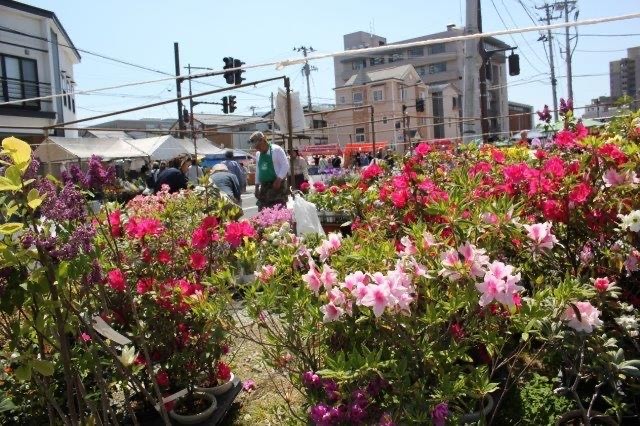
point(521, 36)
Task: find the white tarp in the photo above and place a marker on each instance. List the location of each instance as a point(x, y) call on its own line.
point(298, 122)
point(159, 147)
point(203, 145)
point(58, 149)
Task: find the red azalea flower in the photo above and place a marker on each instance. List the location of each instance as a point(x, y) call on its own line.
point(116, 280)
point(541, 154)
point(115, 223)
point(164, 256)
point(554, 210)
point(400, 198)
point(334, 189)
point(319, 186)
point(371, 171)
point(498, 156)
point(423, 149)
point(612, 151)
point(200, 238)
point(223, 372)
point(163, 379)
point(210, 223)
point(457, 331)
point(140, 360)
point(304, 186)
point(142, 227)
point(565, 139)
point(198, 261)
point(580, 193)
point(144, 285)
point(236, 231)
point(481, 167)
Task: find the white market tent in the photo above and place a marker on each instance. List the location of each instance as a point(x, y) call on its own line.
point(203, 146)
point(159, 147)
point(58, 149)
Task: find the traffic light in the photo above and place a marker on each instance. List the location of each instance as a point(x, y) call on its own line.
point(420, 105)
point(514, 64)
point(232, 103)
point(229, 75)
point(238, 73)
point(225, 105)
point(185, 115)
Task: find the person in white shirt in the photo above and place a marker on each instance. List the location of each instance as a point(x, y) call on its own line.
point(194, 172)
point(300, 169)
point(272, 168)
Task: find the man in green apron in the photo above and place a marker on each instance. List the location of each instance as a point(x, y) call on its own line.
point(271, 172)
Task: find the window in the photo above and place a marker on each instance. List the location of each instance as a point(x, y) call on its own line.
point(395, 57)
point(359, 64)
point(19, 79)
point(422, 71)
point(434, 49)
point(384, 120)
point(398, 124)
point(342, 100)
point(64, 97)
point(415, 52)
point(357, 98)
point(401, 93)
point(359, 134)
point(421, 95)
point(437, 68)
point(377, 95)
point(376, 61)
point(454, 103)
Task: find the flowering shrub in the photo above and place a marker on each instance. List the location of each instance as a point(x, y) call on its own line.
point(464, 275)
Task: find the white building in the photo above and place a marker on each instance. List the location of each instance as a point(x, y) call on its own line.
point(36, 59)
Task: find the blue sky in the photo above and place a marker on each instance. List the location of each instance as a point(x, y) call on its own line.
point(143, 32)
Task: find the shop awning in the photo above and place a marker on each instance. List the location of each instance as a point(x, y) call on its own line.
point(310, 150)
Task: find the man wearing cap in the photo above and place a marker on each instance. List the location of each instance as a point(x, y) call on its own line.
point(271, 172)
point(226, 182)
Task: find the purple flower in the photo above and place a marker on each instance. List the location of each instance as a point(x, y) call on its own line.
point(386, 420)
point(32, 170)
point(376, 385)
point(97, 176)
point(545, 114)
point(565, 107)
point(69, 204)
point(331, 390)
point(271, 217)
point(357, 412)
point(439, 414)
point(311, 380)
point(95, 274)
point(320, 414)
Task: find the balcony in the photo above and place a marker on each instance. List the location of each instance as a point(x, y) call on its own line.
point(14, 90)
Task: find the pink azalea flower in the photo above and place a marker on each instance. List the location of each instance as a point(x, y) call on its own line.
point(612, 178)
point(331, 312)
point(85, 337)
point(589, 317)
point(329, 246)
point(377, 298)
point(409, 247)
point(352, 280)
point(265, 273)
point(428, 240)
point(602, 284)
point(336, 296)
point(489, 288)
point(328, 277)
point(248, 386)
point(632, 262)
point(359, 292)
point(490, 218)
point(499, 284)
point(116, 280)
point(540, 234)
point(143, 227)
point(313, 280)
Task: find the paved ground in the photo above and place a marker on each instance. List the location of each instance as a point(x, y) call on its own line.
point(249, 203)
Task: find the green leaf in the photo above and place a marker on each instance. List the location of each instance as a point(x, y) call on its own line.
point(33, 199)
point(10, 228)
point(43, 367)
point(629, 371)
point(23, 373)
point(6, 405)
point(7, 185)
point(13, 174)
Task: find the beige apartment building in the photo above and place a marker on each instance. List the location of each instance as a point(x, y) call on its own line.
point(386, 91)
point(436, 65)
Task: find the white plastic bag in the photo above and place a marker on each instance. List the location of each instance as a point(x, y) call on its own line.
point(306, 215)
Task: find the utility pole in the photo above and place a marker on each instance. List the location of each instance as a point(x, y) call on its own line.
point(306, 69)
point(554, 82)
point(176, 54)
point(568, 52)
point(469, 73)
point(253, 110)
point(287, 85)
point(484, 124)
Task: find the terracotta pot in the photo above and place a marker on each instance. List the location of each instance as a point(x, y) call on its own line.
point(192, 419)
point(220, 389)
